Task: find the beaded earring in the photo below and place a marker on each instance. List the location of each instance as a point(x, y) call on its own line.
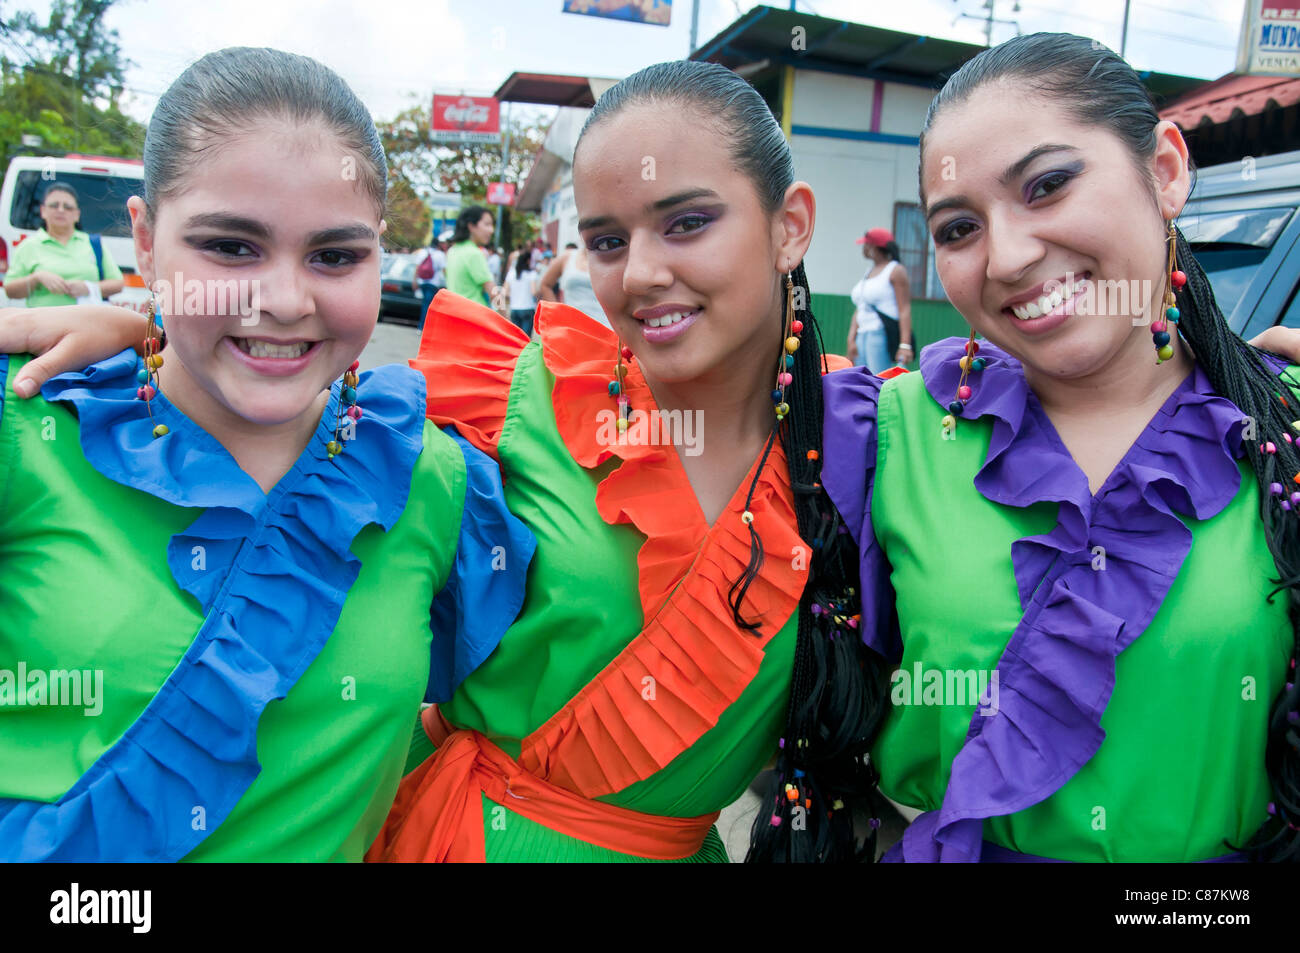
point(968, 363)
point(153, 360)
point(1175, 281)
point(617, 389)
point(792, 329)
point(348, 407)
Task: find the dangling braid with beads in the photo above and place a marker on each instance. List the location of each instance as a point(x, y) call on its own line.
point(1239, 372)
point(837, 691)
point(1097, 87)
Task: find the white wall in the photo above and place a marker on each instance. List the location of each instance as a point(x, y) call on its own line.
point(856, 183)
point(828, 99)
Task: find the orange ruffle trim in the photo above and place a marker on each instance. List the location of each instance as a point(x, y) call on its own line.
point(690, 662)
point(467, 356)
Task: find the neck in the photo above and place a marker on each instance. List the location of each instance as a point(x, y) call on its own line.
point(264, 451)
point(737, 398)
point(59, 234)
point(1131, 379)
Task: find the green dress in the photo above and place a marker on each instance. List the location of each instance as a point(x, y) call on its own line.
point(1083, 677)
point(624, 679)
point(279, 731)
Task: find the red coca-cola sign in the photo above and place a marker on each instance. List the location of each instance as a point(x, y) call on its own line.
point(466, 119)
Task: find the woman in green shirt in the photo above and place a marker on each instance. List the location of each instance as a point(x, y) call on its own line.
point(467, 268)
point(57, 265)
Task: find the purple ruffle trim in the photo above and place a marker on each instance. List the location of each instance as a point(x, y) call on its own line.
point(1058, 670)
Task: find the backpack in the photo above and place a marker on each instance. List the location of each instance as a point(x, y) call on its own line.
point(425, 271)
point(97, 246)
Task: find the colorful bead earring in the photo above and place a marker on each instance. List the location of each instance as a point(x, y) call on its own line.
point(968, 363)
point(1175, 281)
point(348, 407)
point(153, 360)
point(618, 386)
point(792, 328)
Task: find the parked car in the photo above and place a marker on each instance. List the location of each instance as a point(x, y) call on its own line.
point(103, 185)
point(398, 297)
point(1242, 224)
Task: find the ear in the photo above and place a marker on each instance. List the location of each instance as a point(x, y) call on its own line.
point(793, 228)
point(383, 225)
point(142, 233)
point(1173, 176)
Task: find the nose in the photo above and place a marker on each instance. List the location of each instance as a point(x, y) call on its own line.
point(1011, 247)
point(645, 268)
point(282, 293)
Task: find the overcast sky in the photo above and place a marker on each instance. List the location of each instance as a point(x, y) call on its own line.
point(399, 52)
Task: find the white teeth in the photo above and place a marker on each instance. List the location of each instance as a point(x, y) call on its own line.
point(264, 349)
point(1047, 303)
point(666, 320)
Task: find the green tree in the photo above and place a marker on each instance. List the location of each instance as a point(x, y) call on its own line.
point(62, 80)
point(426, 166)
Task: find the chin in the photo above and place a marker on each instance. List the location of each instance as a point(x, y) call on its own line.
point(274, 406)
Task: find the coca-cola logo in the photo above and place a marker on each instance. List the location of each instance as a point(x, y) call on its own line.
point(466, 111)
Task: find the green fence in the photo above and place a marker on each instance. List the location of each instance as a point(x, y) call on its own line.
point(931, 321)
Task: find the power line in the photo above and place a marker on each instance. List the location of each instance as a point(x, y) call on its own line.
point(1184, 13)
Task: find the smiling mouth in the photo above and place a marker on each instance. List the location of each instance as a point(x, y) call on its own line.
point(1046, 304)
point(255, 347)
point(668, 319)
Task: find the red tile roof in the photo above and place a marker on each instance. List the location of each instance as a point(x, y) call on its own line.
point(1217, 101)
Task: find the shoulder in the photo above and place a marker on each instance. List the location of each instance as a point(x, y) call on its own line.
point(25, 252)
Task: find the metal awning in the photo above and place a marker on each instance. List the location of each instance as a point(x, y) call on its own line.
point(548, 89)
point(766, 33)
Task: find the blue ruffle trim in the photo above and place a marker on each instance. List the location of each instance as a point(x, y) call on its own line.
point(274, 573)
point(485, 590)
point(4, 375)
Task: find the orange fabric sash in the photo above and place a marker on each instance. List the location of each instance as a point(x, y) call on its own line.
point(438, 814)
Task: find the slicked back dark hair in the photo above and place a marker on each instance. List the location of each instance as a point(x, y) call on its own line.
point(218, 96)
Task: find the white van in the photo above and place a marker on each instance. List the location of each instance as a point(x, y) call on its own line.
point(103, 185)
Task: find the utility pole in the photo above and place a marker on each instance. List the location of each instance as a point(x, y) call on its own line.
point(695, 27)
point(505, 164)
point(989, 20)
point(1123, 36)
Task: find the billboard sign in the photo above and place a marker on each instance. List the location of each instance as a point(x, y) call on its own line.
point(501, 193)
point(657, 12)
point(1270, 38)
point(466, 119)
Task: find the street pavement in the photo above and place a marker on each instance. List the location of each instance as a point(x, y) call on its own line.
point(390, 344)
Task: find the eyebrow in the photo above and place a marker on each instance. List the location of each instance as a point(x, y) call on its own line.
point(224, 221)
point(659, 205)
point(1013, 172)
